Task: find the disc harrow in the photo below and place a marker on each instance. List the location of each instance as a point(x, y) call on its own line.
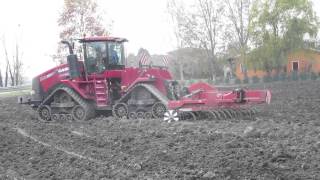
point(205, 102)
point(216, 114)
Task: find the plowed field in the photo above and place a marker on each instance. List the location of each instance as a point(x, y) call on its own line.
point(282, 143)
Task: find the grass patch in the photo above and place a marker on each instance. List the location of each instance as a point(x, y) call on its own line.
point(14, 93)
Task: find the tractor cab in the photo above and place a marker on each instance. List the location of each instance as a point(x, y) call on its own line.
point(103, 53)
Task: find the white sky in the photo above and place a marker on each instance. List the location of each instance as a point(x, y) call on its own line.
point(145, 23)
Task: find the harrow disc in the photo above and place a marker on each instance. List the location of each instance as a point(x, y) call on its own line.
point(200, 115)
point(187, 116)
point(216, 114)
point(244, 112)
point(211, 115)
point(233, 113)
point(222, 114)
point(227, 113)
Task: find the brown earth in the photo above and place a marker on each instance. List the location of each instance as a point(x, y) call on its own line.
point(282, 143)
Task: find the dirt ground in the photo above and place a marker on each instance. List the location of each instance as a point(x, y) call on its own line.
point(282, 143)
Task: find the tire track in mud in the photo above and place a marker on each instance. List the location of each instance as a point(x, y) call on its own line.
point(25, 134)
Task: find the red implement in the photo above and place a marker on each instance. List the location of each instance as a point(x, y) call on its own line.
point(205, 101)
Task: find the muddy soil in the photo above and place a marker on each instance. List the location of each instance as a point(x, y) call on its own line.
point(282, 143)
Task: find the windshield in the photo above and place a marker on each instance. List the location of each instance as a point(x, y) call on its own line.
point(95, 56)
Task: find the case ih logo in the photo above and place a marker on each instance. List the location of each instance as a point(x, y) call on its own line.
point(61, 71)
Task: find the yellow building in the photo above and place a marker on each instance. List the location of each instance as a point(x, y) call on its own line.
point(305, 60)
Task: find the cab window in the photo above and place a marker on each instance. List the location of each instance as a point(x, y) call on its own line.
point(115, 53)
point(96, 56)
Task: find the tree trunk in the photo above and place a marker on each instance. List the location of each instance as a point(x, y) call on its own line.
point(181, 71)
point(6, 78)
point(17, 66)
point(1, 82)
point(11, 76)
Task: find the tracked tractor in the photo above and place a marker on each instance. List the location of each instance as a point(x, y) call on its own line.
point(100, 81)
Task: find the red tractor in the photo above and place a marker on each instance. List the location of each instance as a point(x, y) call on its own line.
point(101, 82)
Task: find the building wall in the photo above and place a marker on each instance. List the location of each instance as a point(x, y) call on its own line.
point(307, 60)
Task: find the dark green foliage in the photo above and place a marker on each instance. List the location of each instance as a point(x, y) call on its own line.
point(294, 76)
point(283, 77)
point(276, 77)
point(303, 76)
point(226, 80)
point(238, 81)
point(313, 76)
point(245, 80)
point(267, 78)
point(255, 79)
point(279, 28)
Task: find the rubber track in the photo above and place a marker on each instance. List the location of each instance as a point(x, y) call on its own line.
point(76, 98)
point(163, 99)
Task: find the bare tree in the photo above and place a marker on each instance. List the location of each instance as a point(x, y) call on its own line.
point(211, 13)
point(240, 17)
point(239, 14)
point(14, 66)
point(177, 16)
point(17, 66)
point(79, 18)
point(8, 72)
point(201, 27)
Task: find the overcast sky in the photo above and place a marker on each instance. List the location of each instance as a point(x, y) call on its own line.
point(34, 23)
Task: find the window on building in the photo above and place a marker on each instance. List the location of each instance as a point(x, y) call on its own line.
point(295, 66)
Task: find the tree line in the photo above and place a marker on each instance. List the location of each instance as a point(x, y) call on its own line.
point(259, 33)
point(13, 65)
